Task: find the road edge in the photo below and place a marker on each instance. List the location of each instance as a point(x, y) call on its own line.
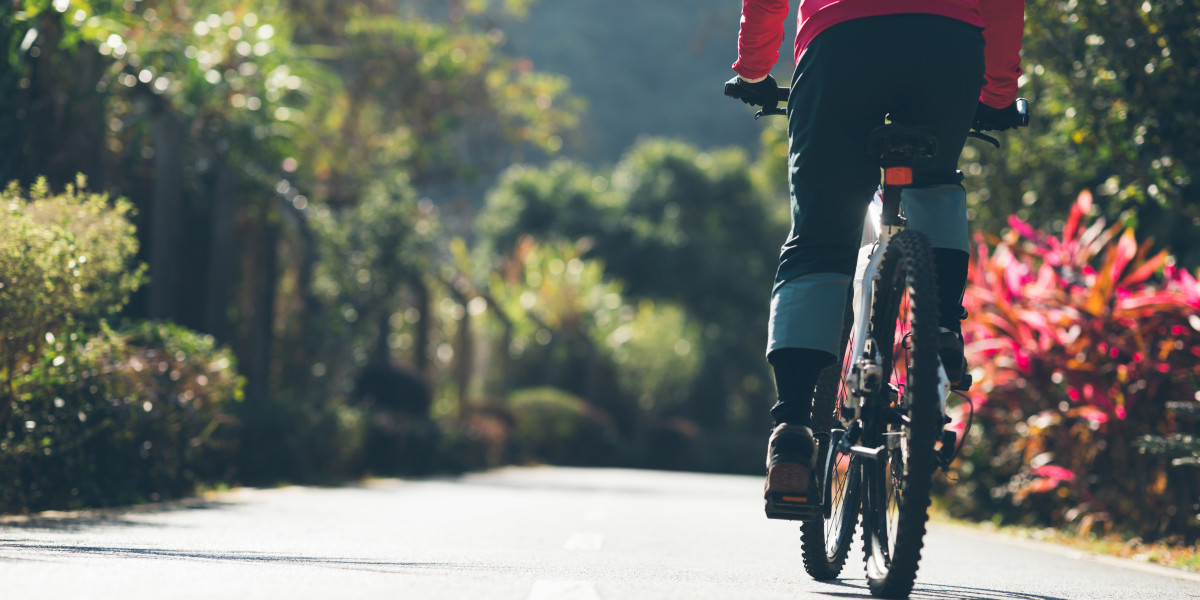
point(1070, 552)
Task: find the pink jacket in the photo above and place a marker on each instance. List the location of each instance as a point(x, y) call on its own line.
point(1003, 22)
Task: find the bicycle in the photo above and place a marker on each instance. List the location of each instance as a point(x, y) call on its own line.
point(880, 416)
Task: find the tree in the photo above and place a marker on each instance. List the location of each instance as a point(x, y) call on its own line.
point(1113, 87)
point(672, 223)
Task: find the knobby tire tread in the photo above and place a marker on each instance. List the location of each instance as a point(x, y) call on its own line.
point(907, 265)
point(820, 563)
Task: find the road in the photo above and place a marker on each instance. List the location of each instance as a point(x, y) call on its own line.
point(520, 534)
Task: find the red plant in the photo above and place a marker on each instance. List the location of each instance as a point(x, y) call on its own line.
point(1079, 341)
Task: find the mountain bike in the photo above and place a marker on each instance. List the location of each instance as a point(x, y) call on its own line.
point(880, 415)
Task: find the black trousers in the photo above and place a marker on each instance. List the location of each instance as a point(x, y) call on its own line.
point(914, 69)
point(917, 69)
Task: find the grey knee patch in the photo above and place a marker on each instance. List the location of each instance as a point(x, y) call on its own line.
point(806, 312)
point(940, 212)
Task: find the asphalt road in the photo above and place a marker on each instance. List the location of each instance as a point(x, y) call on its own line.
point(521, 534)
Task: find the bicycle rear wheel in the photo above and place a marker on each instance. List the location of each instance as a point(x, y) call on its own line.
point(825, 543)
point(904, 418)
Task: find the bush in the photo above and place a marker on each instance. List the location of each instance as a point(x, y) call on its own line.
point(124, 417)
point(657, 353)
point(481, 439)
point(401, 437)
point(1088, 354)
point(301, 439)
point(556, 427)
point(66, 261)
point(89, 415)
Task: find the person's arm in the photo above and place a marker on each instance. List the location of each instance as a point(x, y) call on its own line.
point(1005, 24)
point(760, 36)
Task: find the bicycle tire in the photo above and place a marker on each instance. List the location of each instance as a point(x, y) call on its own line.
point(824, 544)
point(897, 486)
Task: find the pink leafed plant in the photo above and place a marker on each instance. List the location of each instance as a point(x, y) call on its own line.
point(1079, 340)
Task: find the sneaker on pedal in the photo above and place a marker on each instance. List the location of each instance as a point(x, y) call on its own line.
point(950, 350)
point(790, 491)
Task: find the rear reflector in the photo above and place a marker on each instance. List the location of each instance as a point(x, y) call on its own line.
point(898, 175)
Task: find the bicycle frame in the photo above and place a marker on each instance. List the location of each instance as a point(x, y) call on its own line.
point(865, 372)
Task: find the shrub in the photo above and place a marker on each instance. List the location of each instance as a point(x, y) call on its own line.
point(657, 353)
point(66, 260)
point(295, 438)
point(89, 415)
point(481, 439)
point(1083, 341)
point(123, 417)
point(556, 427)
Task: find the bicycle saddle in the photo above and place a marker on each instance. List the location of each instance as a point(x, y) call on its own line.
point(915, 142)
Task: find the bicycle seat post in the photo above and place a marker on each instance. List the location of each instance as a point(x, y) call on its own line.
point(898, 147)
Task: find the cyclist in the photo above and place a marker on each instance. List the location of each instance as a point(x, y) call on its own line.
point(944, 64)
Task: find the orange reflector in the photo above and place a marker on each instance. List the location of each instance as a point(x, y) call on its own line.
point(898, 175)
point(794, 498)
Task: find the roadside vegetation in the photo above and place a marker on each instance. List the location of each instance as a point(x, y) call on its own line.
point(307, 241)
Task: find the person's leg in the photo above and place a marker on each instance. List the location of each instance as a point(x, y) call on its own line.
point(832, 108)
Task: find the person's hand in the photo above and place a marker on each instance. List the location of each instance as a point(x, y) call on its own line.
point(988, 118)
point(759, 93)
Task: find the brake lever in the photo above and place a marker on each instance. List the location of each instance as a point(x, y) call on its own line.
point(985, 137)
point(774, 110)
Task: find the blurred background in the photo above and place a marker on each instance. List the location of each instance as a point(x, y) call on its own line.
point(313, 240)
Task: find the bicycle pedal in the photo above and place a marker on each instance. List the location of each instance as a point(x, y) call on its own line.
point(793, 507)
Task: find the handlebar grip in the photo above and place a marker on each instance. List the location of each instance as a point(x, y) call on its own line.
point(733, 90)
point(1022, 112)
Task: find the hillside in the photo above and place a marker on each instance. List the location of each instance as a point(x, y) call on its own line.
point(645, 69)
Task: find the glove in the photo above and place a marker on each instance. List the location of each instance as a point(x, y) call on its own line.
point(760, 93)
point(996, 119)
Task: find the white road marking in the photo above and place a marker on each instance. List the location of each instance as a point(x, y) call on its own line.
point(584, 541)
point(563, 590)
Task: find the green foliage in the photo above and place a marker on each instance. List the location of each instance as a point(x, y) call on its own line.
point(120, 417)
point(1113, 87)
point(561, 201)
point(559, 428)
point(573, 328)
point(672, 224)
point(89, 415)
point(1082, 342)
point(561, 309)
point(436, 99)
point(694, 228)
point(66, 260)
point(226, 68)
point(299, 440)
point(657, 355)
point(369, 250)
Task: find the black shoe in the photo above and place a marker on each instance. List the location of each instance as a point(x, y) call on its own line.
point(950, 350)
point(791, 462)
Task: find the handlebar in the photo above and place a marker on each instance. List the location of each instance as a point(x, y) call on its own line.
point(735, 91)
point(1022, 120)
point(782, 96)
